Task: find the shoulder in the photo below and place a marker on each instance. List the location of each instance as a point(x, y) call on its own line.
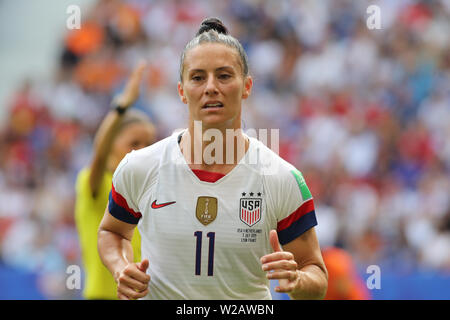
point(82, 182)
point(82, 176)
point(151, 153)
point(82, 189)
point(274, 168)
point(82, 186)
point(139, 169)
point(281, 178)
point(145, 160)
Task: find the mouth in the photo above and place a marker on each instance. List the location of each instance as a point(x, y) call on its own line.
point(213, 105)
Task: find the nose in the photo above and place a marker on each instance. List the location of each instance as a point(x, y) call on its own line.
point(211, 87)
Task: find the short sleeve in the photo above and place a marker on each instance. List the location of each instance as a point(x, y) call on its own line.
point(295, 207)
point(124, 193)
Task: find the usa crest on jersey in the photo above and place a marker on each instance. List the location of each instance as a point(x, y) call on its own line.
point(250, 210)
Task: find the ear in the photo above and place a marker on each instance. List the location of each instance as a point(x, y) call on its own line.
point(181, 93)
point(248, 84)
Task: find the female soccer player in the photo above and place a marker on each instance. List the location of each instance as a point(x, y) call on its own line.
point(119, 133)
point(212, 229)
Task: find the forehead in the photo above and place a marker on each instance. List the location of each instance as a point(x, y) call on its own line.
point(210, 56)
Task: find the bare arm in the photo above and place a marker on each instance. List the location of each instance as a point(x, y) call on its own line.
point(108, 129)
point(313, 275)
point(116, 253)
point(102, 147)
point(299, 268)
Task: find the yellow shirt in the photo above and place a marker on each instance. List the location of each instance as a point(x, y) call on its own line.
point(89, 211)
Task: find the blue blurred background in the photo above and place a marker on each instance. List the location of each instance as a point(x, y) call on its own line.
point(364, 114)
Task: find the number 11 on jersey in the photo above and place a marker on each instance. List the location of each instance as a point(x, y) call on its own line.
point(198, 252)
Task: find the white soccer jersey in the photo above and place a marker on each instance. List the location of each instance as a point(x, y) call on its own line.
point(204, 240)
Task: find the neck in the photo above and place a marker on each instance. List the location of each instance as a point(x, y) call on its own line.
point(217, 148)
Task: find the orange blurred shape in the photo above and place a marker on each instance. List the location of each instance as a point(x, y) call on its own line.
point(127, 22)
point(66, 134)
point(155, 76)
point(344, 283)
point(5, 224)
point(23, 120)
point(87, 39)
point(99, 75)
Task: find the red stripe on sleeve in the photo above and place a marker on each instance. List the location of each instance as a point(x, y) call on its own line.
point(305, 208)
point(121, 201)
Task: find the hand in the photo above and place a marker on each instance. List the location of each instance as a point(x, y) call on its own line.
point(131, 92)
point(280, 265)
point(132, 281)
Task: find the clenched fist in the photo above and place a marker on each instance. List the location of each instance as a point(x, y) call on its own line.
point(280, 265)
point(132, 281)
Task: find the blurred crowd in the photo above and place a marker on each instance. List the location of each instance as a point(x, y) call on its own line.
point(364, 114)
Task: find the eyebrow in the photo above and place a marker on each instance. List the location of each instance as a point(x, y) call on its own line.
point(224, 68)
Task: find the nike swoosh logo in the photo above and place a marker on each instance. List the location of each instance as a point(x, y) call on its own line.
point(157, 206)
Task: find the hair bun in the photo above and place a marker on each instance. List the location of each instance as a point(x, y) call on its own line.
point(212, 24)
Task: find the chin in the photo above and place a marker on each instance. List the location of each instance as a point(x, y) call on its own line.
point(217, 121)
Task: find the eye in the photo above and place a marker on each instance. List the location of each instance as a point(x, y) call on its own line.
point(224, 76)
point(197, 78)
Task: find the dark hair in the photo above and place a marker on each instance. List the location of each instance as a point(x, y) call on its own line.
point(212, 24)
point(212, 30)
